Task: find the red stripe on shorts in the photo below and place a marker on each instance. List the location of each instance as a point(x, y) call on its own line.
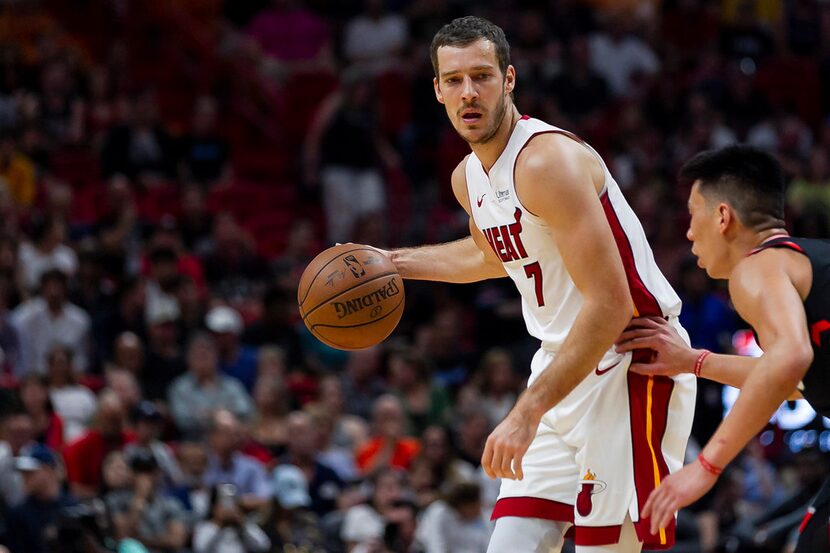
point(533, 507)
point(646, 441)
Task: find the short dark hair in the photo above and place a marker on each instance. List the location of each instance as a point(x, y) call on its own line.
point(466, 30)
point(748, 179)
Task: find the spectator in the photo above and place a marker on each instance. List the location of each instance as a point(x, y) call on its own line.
point(620, 57)
point(126, 316)
point(235, 359)
point(388, 447)
point(232, 267)
point(148, 426)
point(455, 524)
point(290, 523)
point(203, 390)
point(17, 172)
point(47, 251)
point(116, 474)
point(125, 385)
point(269, 428)
point(227, 465)
point(35, 520)
point(128, 354)
point(16, 432)
point(141, 149)
point(364, 524)
point(9, 340)
point(348, 431)
point(499, 386)
point(375, 39)
point(292, 35)
point(204, 153)
point(47, 425)
point(438, 454)
point(144, 512)
point(74, 403)
point(425, 403)
point(339, 457)
point(580, 92)
point(84, 457)
point(324, 485)
point(344, 151)
point(276, 327)
point(811, 192)
point(165, 361)
point(195, 221)
point(193, 493)
point(50, 319)
point(361, 384)
point(227, 530)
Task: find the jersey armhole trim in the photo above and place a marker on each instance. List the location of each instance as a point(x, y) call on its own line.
point(576, 139)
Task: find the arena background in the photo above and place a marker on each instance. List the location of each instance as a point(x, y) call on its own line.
point(167, 169)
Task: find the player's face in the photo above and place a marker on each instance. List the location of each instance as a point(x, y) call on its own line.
point(473, 89)
point(705, 234)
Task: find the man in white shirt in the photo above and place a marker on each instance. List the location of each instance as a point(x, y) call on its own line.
point(50, 319)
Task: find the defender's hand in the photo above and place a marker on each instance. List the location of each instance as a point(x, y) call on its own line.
point(675, 492)
point(673, 356)
point(506, 446)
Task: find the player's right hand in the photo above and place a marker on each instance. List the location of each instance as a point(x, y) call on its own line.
point(672, 357)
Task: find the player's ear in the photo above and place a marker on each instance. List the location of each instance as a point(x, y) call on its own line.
point(725, 217)
point(438, 95)
point(509, 79)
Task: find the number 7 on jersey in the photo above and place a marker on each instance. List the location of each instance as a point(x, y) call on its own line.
point(534, 271)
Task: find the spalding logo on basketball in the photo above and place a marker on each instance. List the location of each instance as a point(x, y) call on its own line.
point(351, 296)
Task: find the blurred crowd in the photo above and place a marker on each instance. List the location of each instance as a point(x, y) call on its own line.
point(167, 170)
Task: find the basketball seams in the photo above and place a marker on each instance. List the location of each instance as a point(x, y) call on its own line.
point(373, 321)
point(326, 264)
point(349, 289)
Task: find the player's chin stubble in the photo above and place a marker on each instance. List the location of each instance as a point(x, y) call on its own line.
point(501, 109)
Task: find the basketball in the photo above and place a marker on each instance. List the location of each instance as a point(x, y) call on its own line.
point(351, 297)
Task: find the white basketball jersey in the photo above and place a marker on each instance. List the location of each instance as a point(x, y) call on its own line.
point(550, 300)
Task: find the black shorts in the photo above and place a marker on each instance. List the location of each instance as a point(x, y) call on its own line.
point(815, 529)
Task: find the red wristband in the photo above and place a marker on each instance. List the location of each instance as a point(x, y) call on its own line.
point(699, 361)
point(709, 467)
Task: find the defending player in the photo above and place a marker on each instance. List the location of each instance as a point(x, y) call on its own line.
point(781, 286)
point(587, 441)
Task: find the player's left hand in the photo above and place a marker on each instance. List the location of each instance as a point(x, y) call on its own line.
point(507, 444)
point(677, 491)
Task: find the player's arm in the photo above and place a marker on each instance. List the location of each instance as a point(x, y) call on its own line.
point(766, 297)
point(467, 260)
point(559, 180)
point(674, 356)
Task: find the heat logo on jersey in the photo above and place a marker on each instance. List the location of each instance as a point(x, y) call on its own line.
point(506, 240)
point(589, 486)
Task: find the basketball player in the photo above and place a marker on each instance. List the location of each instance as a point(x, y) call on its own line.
point(781, 286)
point(586, 442)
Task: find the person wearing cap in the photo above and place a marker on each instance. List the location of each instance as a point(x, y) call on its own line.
point(145, 513)
point(49, 319)
point(165, 361)
point(235, 359)
point(227, 530)
point(148, 422)
point(291, 524)
point(202, 390)
point(34, 521)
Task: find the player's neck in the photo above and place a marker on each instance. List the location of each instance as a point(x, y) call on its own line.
point(747, 241)
point(489, 152)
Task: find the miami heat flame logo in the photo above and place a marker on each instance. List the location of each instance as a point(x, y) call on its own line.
point(589, 486)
